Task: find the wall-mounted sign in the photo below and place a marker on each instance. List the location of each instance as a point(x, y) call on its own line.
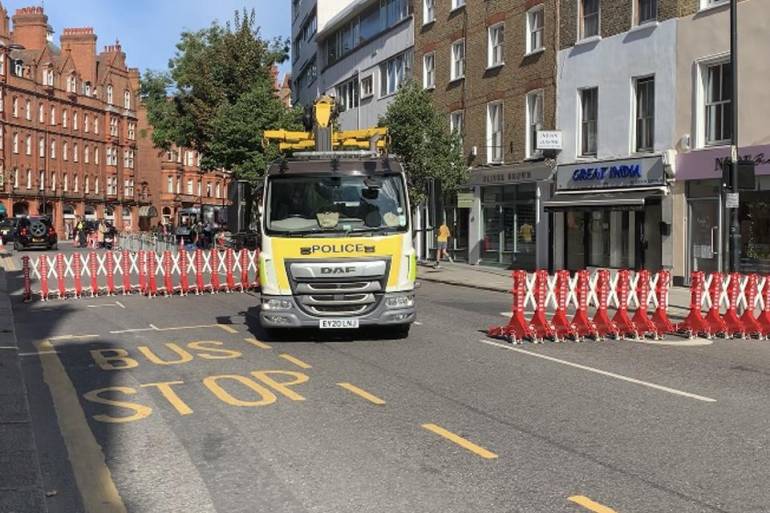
point(549, 139)
point(464, 200)
point(535, 172)
point(644, 172)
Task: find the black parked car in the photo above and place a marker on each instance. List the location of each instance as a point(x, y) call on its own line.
point(35, 232)
point(8, 230)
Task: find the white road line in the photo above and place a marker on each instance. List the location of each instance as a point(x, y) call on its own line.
point(100, 306)
point(134, 330)
point(154, 327)
point(120, 305)
point(603, 373)
point(37, 353)
point(72, 337)
point(9, 348)
point(417, 323)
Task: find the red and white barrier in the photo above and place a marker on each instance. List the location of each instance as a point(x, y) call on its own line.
point(144, 272)
point(584, 290)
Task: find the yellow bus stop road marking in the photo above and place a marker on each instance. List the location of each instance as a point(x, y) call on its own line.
point(257, 343)
point(462, 442)
point(227, 328)
point(591, 505)
point(296, 361)
point(362, 393)
point(93, 477)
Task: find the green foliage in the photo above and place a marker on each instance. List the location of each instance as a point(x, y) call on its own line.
point(217, 96)
point(420, 135)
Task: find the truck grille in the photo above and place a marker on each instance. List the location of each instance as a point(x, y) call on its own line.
point(339, 296)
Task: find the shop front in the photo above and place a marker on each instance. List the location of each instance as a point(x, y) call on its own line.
point(611, 214)
point(505, 227)
point(707, 216)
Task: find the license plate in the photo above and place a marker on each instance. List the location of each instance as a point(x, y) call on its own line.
point(335, 324)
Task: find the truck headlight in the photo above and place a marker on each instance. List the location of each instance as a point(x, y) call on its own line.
point(276, 304)
point(399, 301)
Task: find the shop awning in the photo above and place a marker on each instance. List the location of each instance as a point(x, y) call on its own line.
point(601, 199)
point(147, 211)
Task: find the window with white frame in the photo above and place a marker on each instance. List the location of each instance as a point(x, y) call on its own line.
point(29, 178)
point(65, 182)
point(535, 27)
point(718, 93)
point(535, 119)
point(394, 72)
point(170, 184)
point(87, 184)
point(96, 155)
point(86, 154)
point(74, 120)
point(588, 18)
point(48, 77)
point(15, 178)
point(589, 111)
point(429, 70)
point(15, 143)
point(2, 64)
point(28, 145)
point(53, 150)
point(218, 190)
point(645, 11)
point(87, 88)
point(347, 94)
point(457, 67)
point(64, 118)
point(96, 124)
point(109, 95)
point(53, 181)
point(53, 116)
point(367, 86)
point(200, 187)
point(28, 110)
point(86, 124)
point(644, 116)
point(132, 131)
point(72, 84)
point(457, 124)
point(41, 180)
point(190, 186)
point(428, 11)
point(113, 126)
point(456, 4)
point(75, 182)
point(128, 188)
point(127, 99)
point(495, 132)
point(75, 153)
point(41, 148)
point(495, 43)
point(65, 150)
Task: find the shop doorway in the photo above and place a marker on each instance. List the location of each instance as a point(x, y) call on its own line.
point(509, 226)
point(457, 221)
point(705, 235)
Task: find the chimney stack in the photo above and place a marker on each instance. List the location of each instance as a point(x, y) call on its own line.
point(5, 32)
point(81, 43)
point(30, 28)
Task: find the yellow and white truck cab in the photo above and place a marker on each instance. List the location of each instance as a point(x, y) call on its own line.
point(336, 246)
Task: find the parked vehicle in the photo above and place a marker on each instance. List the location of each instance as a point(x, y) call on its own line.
point(8, 230)
point(35, 232)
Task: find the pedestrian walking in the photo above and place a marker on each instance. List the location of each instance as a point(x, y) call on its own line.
point(442, 243)
point(100, 231)
point(82, 234)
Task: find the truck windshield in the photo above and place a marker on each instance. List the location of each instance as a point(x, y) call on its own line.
point(304, 205)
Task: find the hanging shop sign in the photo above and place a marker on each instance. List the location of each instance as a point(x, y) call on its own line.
point(549, 139)
point(464, 200)
point(614, 174)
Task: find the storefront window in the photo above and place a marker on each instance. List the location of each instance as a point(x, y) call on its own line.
point(509, 233)
point(754, 216)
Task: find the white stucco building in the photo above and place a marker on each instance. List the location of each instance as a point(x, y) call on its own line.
point(358, 51)
point(616, 109)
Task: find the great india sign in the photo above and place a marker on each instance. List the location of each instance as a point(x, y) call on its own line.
point(645, 172)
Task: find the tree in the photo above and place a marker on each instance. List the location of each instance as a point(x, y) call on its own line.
point(420, 136)
point(218, 96)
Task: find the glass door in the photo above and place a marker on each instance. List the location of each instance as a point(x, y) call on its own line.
point(705, 235)
point(493, 226)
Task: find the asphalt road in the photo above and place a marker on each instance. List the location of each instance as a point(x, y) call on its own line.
point(183, 404)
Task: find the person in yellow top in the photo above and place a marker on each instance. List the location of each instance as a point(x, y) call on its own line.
point(442, 239)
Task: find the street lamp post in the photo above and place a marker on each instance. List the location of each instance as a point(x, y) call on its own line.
point(735, 232)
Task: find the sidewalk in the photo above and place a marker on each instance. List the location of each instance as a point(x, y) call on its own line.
point(499, 280)
point(21, 485)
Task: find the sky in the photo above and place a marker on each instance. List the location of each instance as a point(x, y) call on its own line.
point(149, 30)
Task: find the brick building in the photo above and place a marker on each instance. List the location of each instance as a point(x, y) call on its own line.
point(491, 65)
point(68, 125)
point(175, 180)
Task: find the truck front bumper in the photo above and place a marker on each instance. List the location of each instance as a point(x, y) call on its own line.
point(292, 316)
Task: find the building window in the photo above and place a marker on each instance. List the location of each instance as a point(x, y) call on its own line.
point(127, 99)
point(28, 145)
point(65, 182)
point(15, 178)
point(87, 184)
point(428, 11)
point(645, 114)
point(114, 126)
point(456, 4)
point(109, 95)
point(718, 103)
point(457, 69)
point(367, 86)
point(96, 124)
point(132, 131)
point(16, 143)
point(28, 110)
point(495, 132)
point(457, 125)
point(75, 152)
point(646, 11)
point(53, 150)
point(589, 110)
point(41, 148)
point(41, 180)
point(86, 154)
point(189, 186)
point(428, 71)
point(29, 178)
point(64, 119)
point(41, 113)
point(170, 184)
point(65, 151)
point(535, 119)
point(53, 116)
point(347, 94)
point(96, 185)
point(96, 155)
point(394, 72)
point(535, 24)
point(495, 42)
point(208, 189)
point(589, 18)
point(48, 77)
point(219, 191)
point(75, 183)
point(74, 120)
point(72, 84)
point(86, 124)
point(15, 107)
point(87, 88)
